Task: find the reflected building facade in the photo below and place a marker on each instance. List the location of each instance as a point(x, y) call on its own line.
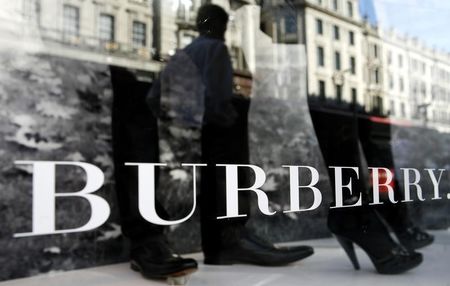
point(349, 60)
point(418, 82)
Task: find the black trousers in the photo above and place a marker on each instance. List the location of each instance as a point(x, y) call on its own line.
point(223, 145)
point(135, 139)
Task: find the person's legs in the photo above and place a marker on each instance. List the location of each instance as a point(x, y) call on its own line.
point(339, 141)
point(135, 139)
point(227, 241)
point(222, 145)
point(378, 151)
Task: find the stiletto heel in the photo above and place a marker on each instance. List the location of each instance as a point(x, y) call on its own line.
point(363, 226)
point(347, 245)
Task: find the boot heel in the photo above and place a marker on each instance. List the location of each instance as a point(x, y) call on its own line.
point(348, 247)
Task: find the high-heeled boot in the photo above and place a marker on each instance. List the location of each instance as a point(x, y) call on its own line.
point(364, 227)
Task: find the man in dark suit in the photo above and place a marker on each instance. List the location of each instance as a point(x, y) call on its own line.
point(221, 119)
point(225, 141)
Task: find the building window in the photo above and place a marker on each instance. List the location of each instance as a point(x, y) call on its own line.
point(375, 51)
point(322, 89)
point(338, 89)
point(377, 104)
point(389, 57)
point(423, 89)
point(391, 81)
point(71, 20)
point(335, 5)
point(392, 109)
point(354, 96)
point(376, 74)
point(106, 28)
point(352, 65)
point(402, 84)
point(350, 9)
point(414, 64)
point(320, 57)
point(290, 24)
point(403, 110)
point(351, 38)
point(336, 34)
point(337, 60)
point(319, 27)
point(139, 34)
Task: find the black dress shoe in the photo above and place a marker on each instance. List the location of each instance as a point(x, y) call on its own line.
point(364, 227)
point(250, 249)
point(155, 260)
point(413, 237)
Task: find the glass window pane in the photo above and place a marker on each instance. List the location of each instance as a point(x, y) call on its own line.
point(71, 20)
point(106, 27)
point(139, 36)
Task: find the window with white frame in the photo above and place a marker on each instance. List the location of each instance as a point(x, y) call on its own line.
point(349, 8)
point(320, 57)
point(106, 27)
point(319, 26)
point(351, 38)
point(335, 5)
point(336, 33)
point(392, 109)
point(375, 51)
point(139, 34)
point(71, 20)
point(290, 24)
point(391, 81)
point(337, 60)
point(354, 93)
point(322, 89)
point(338, 91)
point(353, 65)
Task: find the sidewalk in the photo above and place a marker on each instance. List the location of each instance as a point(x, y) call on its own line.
point(328, 266)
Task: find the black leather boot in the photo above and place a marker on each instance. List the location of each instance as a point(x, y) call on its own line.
point(365, 227)
point(155, 260)
point(250, 249)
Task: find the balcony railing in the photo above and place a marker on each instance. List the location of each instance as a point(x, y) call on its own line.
point(95, 44)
